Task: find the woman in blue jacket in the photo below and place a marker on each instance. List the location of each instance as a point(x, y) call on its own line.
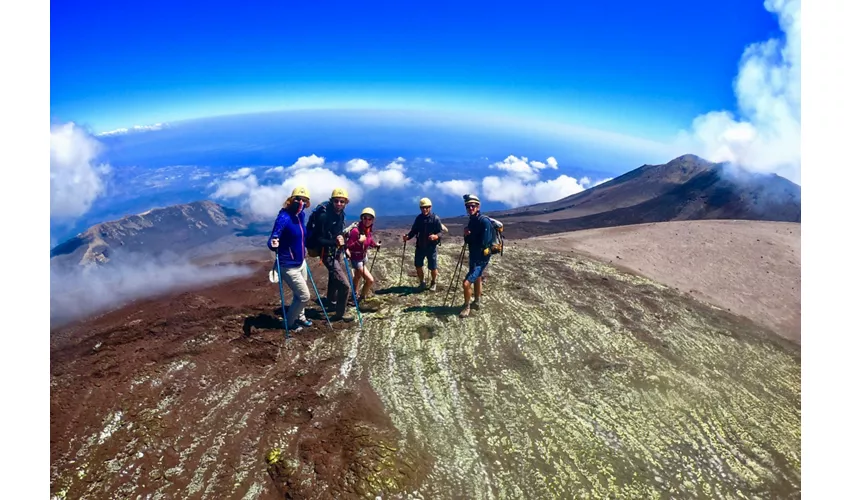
point(287, 239)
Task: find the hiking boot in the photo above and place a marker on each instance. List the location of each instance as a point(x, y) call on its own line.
point(476, 304)
point(344, 319)
point(464, 312)
point(295, 328)
point(305, 322)
point(422, 286)
point(433, 286)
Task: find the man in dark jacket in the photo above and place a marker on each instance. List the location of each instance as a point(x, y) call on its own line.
point(427, 229)
point(329, 228)
point(476, 235)
point(287, 240)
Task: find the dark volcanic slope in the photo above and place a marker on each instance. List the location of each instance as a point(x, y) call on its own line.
point(687, 188)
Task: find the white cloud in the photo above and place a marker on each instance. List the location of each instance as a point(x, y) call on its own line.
point(396, 165)
point(82, 290)
point(514, 192)
point(552, 162)
point(522, 168)
point(302, 162)
point(265, 200)
point(76, 180)
point(429, 160)
point(134, 128)
point(242, 172)
point(357, 165)
point(453, 187)
point(311, 161)
point(392, 176)
point(389, 178)
point(765, 137)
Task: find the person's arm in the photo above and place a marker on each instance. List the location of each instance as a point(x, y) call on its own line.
point(485, 235)
point(279, 223)
point(415, 229)
point(437, 230)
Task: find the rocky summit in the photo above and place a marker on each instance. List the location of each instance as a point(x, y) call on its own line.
point(575, 379)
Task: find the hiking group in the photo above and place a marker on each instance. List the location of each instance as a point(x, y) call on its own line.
point(324, 235)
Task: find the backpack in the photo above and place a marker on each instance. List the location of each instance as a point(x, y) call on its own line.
point(497, 241)
point(347, 231)
point(314, 249)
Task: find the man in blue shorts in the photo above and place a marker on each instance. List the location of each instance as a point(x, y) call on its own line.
point(476, 235)
point(427, 229)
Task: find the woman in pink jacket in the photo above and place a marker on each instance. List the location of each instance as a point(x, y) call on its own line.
point(359, 241)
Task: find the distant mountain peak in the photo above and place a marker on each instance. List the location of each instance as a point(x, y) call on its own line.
point(173, 228)
point(685, 188)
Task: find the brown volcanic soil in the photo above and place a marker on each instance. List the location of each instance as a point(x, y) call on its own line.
point(596, 383)
point(751, 268)
point(185, 396)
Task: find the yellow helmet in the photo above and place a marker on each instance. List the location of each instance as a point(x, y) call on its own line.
point(301, 191)
point(367, 211)
point(424, 202)
point(339, 193)
point(471, 198)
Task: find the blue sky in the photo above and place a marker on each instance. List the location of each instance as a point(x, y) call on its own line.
point(642, 68)
point(521, 103)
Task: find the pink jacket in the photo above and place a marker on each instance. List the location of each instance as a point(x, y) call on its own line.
point(358, 250)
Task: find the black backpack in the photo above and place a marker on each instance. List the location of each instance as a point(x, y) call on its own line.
point(314, 248)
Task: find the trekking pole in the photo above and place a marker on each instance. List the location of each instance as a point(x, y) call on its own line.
point(457, 282)
point(456, 271)
point(376, 256)
point(353, 295)
point(280, 286)
point(316, 289)
point(401, 269)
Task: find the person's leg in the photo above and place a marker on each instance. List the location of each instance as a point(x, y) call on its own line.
point(369, 280)
point(300, 294)
point(474, 274)
point(328, 261)
point(341, 285)
point(479, 284)
point(304, 276)
point(358, 274)
point(432, 266)
point(419, 263)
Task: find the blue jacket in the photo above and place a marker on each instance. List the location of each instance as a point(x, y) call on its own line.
point(478, 237)
point(291, 234)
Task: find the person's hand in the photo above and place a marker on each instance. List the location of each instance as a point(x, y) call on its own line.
point(378, 246)
point(434, 237)
point(348, 253)
point(404, 237)
point(362, 238)
point(466, 231)
point(275, 242)
point(340, 241)
point(486, 252)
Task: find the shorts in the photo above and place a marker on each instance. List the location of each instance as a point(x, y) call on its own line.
point(358, 264)
point(426, 252)
point(476, 269)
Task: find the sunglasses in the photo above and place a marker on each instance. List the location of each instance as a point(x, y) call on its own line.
point(340, 201)
point(367, 217)
point(471, 205)
point(301, 198)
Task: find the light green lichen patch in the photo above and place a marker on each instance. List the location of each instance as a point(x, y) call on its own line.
point(580, 380)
